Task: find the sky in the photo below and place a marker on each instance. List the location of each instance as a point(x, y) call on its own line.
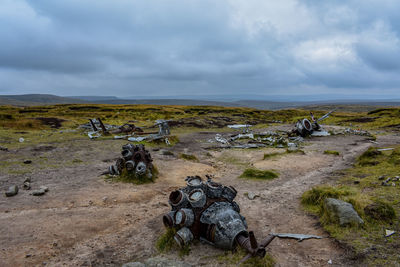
point(349, 49)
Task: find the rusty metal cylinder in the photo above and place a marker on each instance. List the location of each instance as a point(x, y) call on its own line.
point(184, 217)
point(229, 193)
point(197, 198)
point(169, 219)
point(214, 190)
point(130, 165)
point(127, 154)
point(194, 182)
point(141, 168)
point(178, 199)
point(183, 237)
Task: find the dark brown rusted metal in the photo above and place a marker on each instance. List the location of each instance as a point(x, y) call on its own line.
point(93, 125)
point(102, 126)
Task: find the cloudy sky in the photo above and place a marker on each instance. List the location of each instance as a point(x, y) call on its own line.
point(205, 47)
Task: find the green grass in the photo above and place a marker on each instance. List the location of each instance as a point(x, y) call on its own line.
point(331, 152)
point(251, 173)
point(233, 258)
point(130, 177)
point(189, 157)
point(273, 155)
point(166, 243)
point(377, 205)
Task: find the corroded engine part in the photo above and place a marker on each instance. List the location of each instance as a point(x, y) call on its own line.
point(135, 158)
point(206, 211)
point(228, 224)
point(304, 127)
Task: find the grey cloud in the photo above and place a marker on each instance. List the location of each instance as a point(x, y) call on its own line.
point(184, 47)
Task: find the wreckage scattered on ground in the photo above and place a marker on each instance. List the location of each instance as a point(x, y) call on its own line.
point(127, 131)
point(135, 162)
point(306, 127)
point(206, 211)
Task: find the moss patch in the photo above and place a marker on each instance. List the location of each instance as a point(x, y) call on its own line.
point(188, 157)
point(166, 243)
point(130, 177)
point(256, 174)
point(233, 258)
point(332, 152)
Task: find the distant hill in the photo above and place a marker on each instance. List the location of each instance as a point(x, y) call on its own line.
point(37, 99)
point(343, 105)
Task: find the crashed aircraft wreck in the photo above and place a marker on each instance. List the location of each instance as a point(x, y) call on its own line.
point(206, 211)
point(305, 127)
point(136, 161)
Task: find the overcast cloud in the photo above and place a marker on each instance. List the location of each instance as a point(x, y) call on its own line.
point(128, 48)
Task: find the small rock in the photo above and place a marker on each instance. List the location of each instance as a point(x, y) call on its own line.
point(356, 182)
point(2, 148)
point(27, 180)
point(21, 140)
point(28, 255)
point(39, 192)
point(330, 262)
point(251, 195)
point(382, 177)
point(342, 211)
point(27, 161)
point(44, 188)
point(26, 186)
point(12, 191)
point(90, 202)
point(105, 199)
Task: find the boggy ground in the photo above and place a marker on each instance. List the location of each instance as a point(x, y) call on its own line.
point(86, 221)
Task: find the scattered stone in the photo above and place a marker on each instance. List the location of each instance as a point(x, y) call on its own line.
point(382, 177)
point(26, 186)
point(39, 192)
point(27, 180)
point(90, 203)
point(12, 191)
point(251, 195)
point(27, 161)
point(356, 182)
point(44, 188)
point(330, 262)
point(2, 148)
point(105, 199)
point(389, 232)
point(342, 211)
point(21, 140)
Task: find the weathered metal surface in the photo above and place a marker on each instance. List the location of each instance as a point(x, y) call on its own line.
point(135, 159)
point(305, 127)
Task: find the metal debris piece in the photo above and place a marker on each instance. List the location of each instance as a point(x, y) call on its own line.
point(385, 149)
point(221, 139)
point(127, 128)
point(244, 127)
point(135, 159)
point(239, 136)
point(205, 210)
point(389, 232)
point(299, 237)
point(305, 127)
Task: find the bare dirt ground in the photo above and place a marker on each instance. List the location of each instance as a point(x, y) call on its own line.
point(86, 221)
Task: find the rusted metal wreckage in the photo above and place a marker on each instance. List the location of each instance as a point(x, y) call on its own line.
point(207, 211)
point(129, 130)
point(135, 160)
point(306, 127)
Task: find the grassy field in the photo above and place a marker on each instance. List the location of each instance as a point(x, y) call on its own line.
point(38, 124)
point(377, 203)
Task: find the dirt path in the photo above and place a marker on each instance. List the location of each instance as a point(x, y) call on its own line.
point(85, 221)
